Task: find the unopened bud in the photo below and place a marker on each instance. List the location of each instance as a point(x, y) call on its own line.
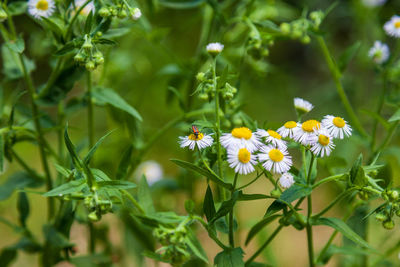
point(3, 15)
point(90, 65)
point(388, 224)
point(104, 12)
point(285, 28)
point(135, 13)
point(276, 193)
point(122, 14)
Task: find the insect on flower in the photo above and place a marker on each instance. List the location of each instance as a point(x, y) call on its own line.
point(196, 138)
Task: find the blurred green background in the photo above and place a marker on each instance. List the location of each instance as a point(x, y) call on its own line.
point(161, 51)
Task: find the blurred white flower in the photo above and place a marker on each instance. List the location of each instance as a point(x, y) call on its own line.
point(41, 8)
point(135, 13)
point(86, 10)
point(392, 27)
point(373, 3)
point(286, 180)
point(151, 169)
point(214, 48)
point(301, 105)
point(379, 52)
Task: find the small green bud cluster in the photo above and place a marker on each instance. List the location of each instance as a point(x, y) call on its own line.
point(258, 47)
point(97, 207)
point(3, 15)
point(386, 213)
point(297, 29)
point(121, 11)
point(174, 248)
point(205, 88)
point(317, 18)
point(89, 56)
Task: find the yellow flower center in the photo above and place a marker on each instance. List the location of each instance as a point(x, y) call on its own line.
point(244, 155)
point(42, 5)
point(274, 134)
point(310, 125)
point(339, 122)
point(242, 132)
point(290, 124)
point(397, 24)
point(275, 155)
point(194, 138)
point(323, 140)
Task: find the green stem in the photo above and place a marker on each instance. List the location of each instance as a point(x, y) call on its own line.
point(309, 213)
point(263, 246)
point(379, 110)
point(326, 180)
point(134, 201)
point(336, 200)
point(90, 110)
point(218, 123)
point(40, 136)
point(24, 165)
point(69, 29)
point(249, 183)
point(342, 94)
point(388, 138)
point(231, 236)
point(211, 232)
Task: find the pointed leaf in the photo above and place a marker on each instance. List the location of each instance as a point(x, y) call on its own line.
point(230, 257)
point(208, 205)
point(116, 184)
point(296, 191)
point(124, 163)
point(67, 188)
point(94, 148)
point(196, 247)
point(23, 208)
point(144, 196)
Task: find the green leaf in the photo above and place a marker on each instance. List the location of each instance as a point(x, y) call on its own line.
point(296, 191)
point(67, 48)
point(18, 180)
point(17, 46)
point(348, 55)
point(63, 171)
point(357, 174)
point(144, 196)
point(124, 163)
point(116, 184)
point(7, 256)
point(395, 116)
point(247, 197)
point(226, 207)
point(201, 171)
point(230, 257)
point(181, 4)
point(259, 226)
point(67, 188)
point(89, 155)
point(208, 204)
point(55, 238)
point(1, 153)
point(189, 206)
point(71, 149)
point(269, 25)
point(118, 32)
point(17, 7)
point(195, 246)
point(104, 41)
point(109, 96)
point(54, 27)
point(23, 208)
point(343, 228)
point(275, 207)
point(88, 22)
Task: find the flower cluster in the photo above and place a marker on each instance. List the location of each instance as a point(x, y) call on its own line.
point(269, 147)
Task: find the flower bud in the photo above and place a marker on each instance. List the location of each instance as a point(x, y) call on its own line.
point(90, 65)
point(306, 39)
point(214, 48)
point(99, 34)
point(285, 28)
point(381, 217)
point(104, 12)
point(93, 216)
point(135, 13)
point(122, 14)
point(389, 224)
point(87, 45)
point(201, 76)
point(394, 195)
point(203, 96)
point(276, 193)
point(79, 58)
point(3, 15)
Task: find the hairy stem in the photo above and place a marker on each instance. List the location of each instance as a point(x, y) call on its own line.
point(309, 213)
point(342, 94)
point(231, 234)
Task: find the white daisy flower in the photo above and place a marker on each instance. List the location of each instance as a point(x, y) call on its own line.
point(392, 27)
point(379, 52)
point(373, 3)
point(41, 8)
point(323, 144)
point(241, 159)
point(289, 129)
point(199, 139)
point(337, 127)
point(136, 13)
point(306, 132)
point(151, 169)
point(214, 48)
point(275, 160)
point(272, 137)
point(86, 10)
point(240, 136)
point(302, 106)
point(286, 180)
